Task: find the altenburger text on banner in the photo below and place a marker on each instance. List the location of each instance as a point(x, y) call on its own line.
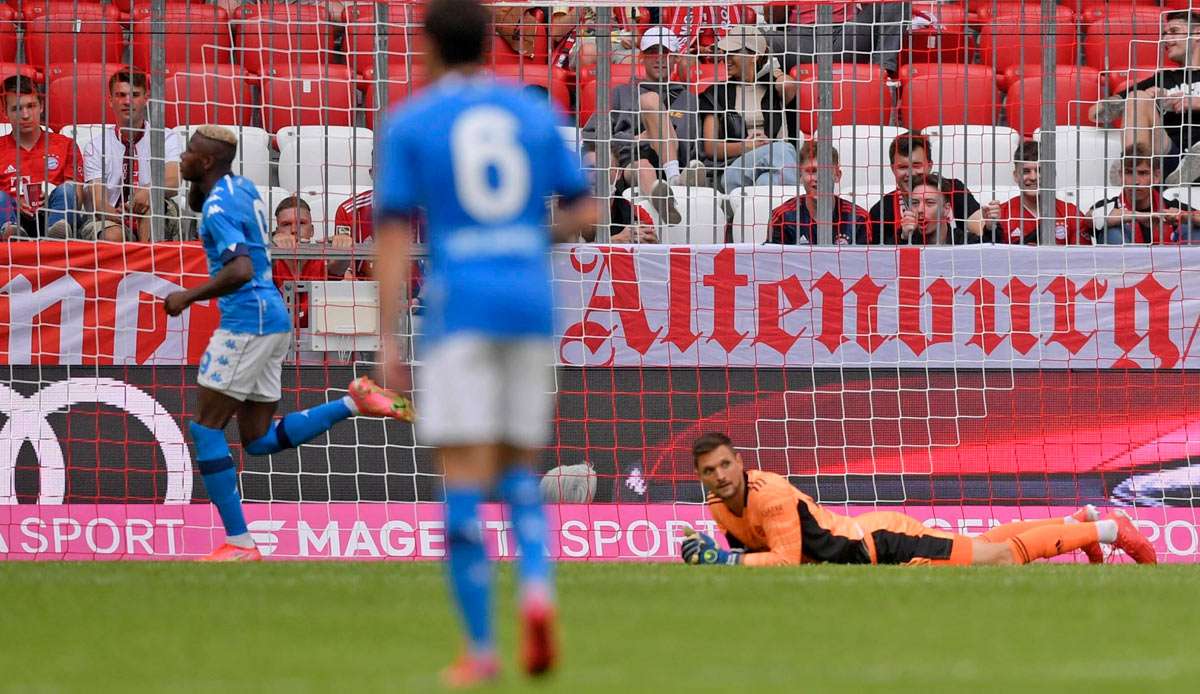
point(1002, 307)
point(975, 306)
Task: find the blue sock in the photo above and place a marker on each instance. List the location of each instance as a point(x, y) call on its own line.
point(519, 489)
point(467, 565)
point(220, 476)
point(296, 428)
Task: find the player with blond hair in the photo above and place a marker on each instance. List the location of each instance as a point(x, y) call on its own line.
point(241, 371)
point(769, 522)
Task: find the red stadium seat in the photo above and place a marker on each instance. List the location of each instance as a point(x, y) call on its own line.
point(8, 38)
point(77, 100)
point(553, 80)
point(1077, 90)
point(9, 69)
point(398, 90)
point(948, 95)
point(1015, 38)
point(220, 95)
point(939, 34)
point(860, 95)
point(66, 9)
point(1016, 73)
point(704, 75)
point(322, 97)
point(1091, 10)
point(1129, 40)
point(362, 30)
point(53, 41)
point(196, 35)
point(270, 35)
point(1119, 80)
point(82, 71)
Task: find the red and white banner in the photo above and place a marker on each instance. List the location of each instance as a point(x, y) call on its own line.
point(100, 303)
point(839, 306)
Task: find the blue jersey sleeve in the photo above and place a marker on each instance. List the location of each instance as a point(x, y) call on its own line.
point(395, 192)
point(228, 235)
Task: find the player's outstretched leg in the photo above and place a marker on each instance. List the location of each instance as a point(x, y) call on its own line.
point(470, 579)
point(1086, 514)
point(221, 481)
point(519, 489)
point(296, 428)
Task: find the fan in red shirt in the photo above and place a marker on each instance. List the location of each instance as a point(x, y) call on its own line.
point(293, 227)
point(699, 27)
point(31, 160)
point(354, 223)
point(1016, 221)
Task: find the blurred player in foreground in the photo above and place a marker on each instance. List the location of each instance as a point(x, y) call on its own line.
point(768, 522)
point(240, 372)
point(479, 159)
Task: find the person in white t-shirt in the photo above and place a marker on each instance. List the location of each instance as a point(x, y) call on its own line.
point(116, 166)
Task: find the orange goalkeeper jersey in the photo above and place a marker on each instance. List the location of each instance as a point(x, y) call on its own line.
point(782, 525)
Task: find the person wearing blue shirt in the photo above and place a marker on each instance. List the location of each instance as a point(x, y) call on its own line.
point(478, 159)
point(240, 372)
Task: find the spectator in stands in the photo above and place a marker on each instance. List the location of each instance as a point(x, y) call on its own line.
point(873, 33)
point(654, 125)
point(1162, 112)
point(749, 124)
point(117, 168)
point(1016, 221)
point(928, 218)
point(34, 159)
point(1140, 214)
point(293, 228)
point(794, 221)
point(630, 223)
point(700, 27)
point(909, 157)
point(353, 222)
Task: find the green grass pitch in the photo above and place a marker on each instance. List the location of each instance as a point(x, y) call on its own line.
point(359, 627)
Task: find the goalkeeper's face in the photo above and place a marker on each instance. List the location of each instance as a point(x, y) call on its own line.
point(721, 472)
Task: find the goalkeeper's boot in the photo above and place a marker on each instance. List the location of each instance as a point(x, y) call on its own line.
point(471, 670)
point(228, 552)
point(1089, 514)
point(1131, 540)
point(376, 401)
point(538, 648)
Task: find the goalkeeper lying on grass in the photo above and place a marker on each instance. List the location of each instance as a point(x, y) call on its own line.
point(769, 522)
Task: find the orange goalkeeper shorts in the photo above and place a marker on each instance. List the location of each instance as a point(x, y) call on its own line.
point(894, 538)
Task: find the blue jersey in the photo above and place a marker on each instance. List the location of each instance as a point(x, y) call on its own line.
point(234, 223)
point(479, 158)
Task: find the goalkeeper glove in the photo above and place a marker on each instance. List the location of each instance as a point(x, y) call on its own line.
point(699, 548)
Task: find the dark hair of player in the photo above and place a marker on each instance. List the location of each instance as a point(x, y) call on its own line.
point(20, 85)
point(905, 144)
point(708, 443)
point(133, 78)
point(458, 30)
point(290, 202)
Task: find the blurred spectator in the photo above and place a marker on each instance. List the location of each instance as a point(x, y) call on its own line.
point(1140, 214)
point(873, 33)
point(928, 217)
point(293, 228)
point(1016, 221)
point(1162, 113)
point(35, 159)
point(117, 168)
point(700, 27)
point(748, 123)
point(654, 124)
point(909, 157)
point(353, 222)
point(569, 484)
point(630, 223)
point(794, 221)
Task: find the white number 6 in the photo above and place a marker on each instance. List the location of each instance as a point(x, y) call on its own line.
point(483, 139)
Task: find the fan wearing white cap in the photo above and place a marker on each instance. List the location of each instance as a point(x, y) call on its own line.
point(654, 123)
